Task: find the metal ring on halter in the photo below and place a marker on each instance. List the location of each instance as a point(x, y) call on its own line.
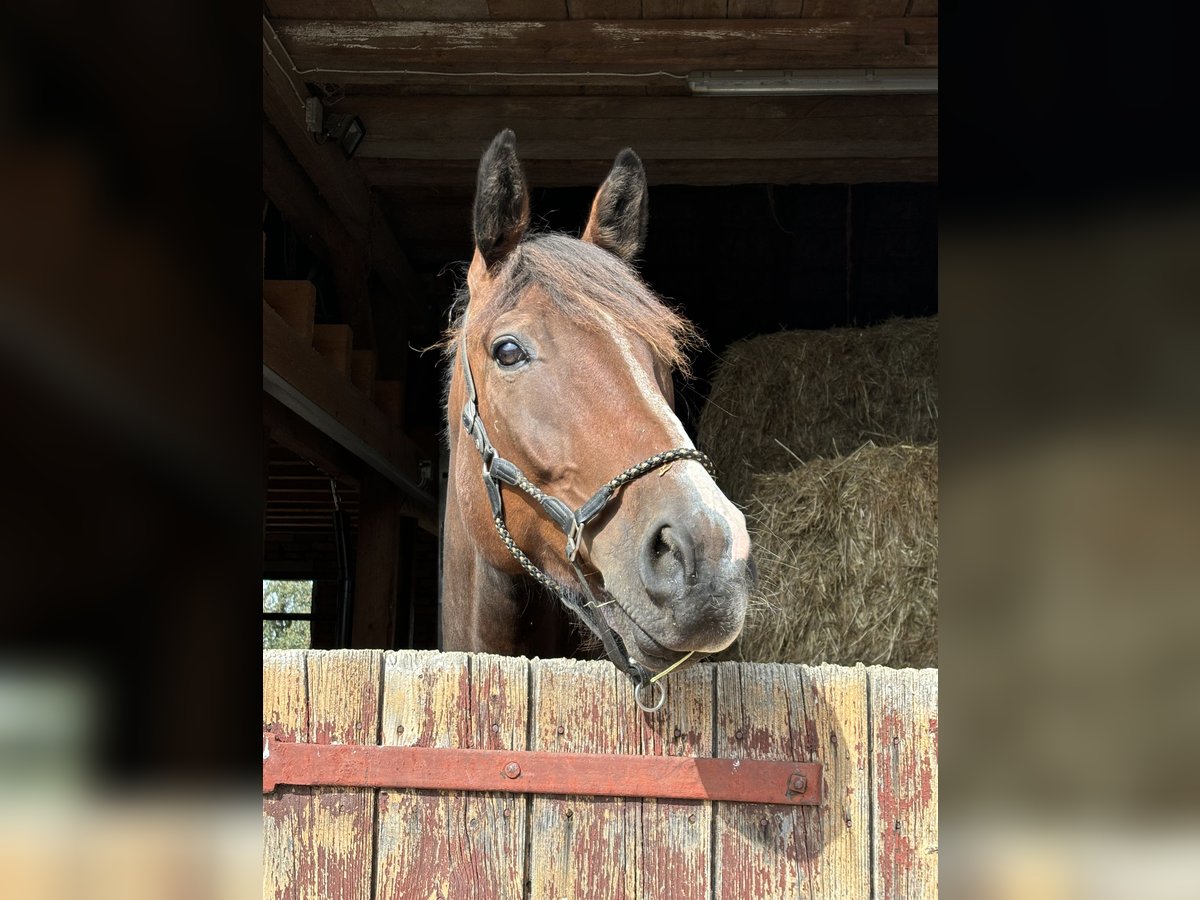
point(662, 696)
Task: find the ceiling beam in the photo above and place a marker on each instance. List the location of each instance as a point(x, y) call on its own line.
point(678, 46)
point(400, 173)
point(585, 128)
point(337, 179)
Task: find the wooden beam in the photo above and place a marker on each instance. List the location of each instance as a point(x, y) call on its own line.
point(337, 179)
point(284, 95)
point(362, 371)
point(296, 375)
point(678, 46)
point(335, 343)
point(677, 128)
point(297, 435)
point(296, 303)
point(288, 186)
point(377, 566)
point(291, 190)
point(590, 172)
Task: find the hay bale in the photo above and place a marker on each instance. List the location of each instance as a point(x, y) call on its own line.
point(801, 395)
point(847, 558)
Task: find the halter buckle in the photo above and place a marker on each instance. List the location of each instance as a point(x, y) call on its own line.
point(574, 539)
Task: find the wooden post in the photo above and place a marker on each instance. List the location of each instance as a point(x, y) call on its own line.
point(403, 629)
point(377, 575)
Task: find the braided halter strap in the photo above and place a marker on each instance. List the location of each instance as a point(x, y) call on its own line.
point(497, 471)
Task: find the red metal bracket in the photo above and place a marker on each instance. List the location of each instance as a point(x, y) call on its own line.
point(528, 772)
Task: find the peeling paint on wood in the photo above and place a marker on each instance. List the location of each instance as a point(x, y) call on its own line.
point(582, 847)
point(320, 843)
point(287, 825)
point(904, 778)
point(880, 781)
point(676, 835)
point(449, 843)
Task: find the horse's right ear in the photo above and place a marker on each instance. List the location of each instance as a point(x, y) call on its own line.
point(501, 200)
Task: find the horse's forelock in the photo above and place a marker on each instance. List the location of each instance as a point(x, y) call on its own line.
point(594, 287)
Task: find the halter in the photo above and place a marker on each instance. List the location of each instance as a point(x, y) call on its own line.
point(497, 471)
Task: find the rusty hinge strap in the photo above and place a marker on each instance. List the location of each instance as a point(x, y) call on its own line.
point(528, 772)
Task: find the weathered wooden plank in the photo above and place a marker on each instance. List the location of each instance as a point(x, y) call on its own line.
point(674, 45)
point(423, 9)
point(343, 697)
point(874, 138)
point(583, 847)
point(904, 781)
point(880, 772)
point(425, 703)
point(923, 8)
point(457, 114)
point(765, 9)
point(833, 704)
point(500, 721)
point(287, 812)
point(683, 9)
point(657, 127)
point(854, 9)
point(604, 9)
point(322, 9)
point(765, 851)
point(559, 173)
point(675, 857)
point(528, 9)
point(447, 843)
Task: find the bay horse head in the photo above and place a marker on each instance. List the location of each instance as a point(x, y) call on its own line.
point(563, 364)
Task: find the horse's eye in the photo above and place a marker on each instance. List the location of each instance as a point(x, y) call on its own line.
point(509, 353)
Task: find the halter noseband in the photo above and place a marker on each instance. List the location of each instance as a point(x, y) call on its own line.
point(497, 470)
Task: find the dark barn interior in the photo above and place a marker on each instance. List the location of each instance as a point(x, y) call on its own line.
point(766, 213)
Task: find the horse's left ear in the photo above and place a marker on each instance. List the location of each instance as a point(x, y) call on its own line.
point(621, 208)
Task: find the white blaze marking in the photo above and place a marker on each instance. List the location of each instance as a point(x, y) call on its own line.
point(703, 484)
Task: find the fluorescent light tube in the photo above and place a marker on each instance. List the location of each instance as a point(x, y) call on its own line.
point(815, 81)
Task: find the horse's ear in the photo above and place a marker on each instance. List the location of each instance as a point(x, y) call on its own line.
point(501, 200)
point(621, 208)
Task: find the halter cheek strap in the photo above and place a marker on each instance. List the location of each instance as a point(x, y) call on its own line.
point(572, 522)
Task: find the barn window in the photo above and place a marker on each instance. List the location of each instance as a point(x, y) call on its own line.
point(287, 615)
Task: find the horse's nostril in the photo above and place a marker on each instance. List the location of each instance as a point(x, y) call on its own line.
point(661, 547)
point(668, 563)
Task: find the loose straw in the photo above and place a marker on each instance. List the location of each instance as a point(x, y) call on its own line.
point(672, 667)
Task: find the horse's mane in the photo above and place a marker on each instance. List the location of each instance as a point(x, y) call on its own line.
point(591, 285)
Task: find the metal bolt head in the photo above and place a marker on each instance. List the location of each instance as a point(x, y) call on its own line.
point(797, 784)
point(512, 770)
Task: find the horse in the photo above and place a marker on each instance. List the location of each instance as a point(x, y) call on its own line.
point(560, 362)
